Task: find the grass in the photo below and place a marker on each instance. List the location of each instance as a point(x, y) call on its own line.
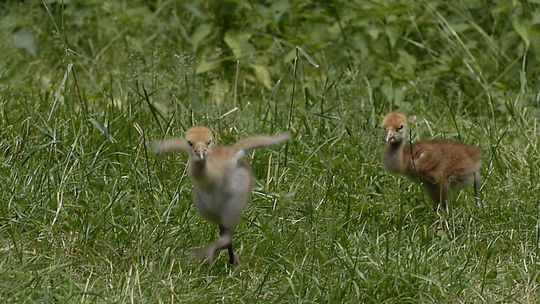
point(88, 214)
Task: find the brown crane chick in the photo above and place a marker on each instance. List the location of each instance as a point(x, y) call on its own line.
point(222, 181)
point(439, 165)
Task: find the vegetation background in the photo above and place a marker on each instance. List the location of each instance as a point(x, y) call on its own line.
point(88, 214)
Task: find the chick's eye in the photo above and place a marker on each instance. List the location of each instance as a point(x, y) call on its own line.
point(209, 142)
point(190, 143)
point(400, 127)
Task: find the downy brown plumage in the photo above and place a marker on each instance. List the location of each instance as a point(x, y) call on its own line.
point(222, 181)
point(440, 166)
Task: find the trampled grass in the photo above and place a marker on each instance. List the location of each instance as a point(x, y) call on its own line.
point(88, 214)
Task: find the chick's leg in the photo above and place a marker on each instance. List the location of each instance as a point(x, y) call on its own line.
point(477, 198)
point(207, 253)
point(439, 193)
point(226, 231)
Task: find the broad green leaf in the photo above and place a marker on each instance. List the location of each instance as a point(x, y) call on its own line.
point(392, 35)
point(359, 42)
point(407, 61)
point(201, 32)
point(205, 66)
point(238, 43)
point(279, 8)
point(373, 31)
point(522, 30)
point(535, 40)
point(535, 19)
point(263, 75)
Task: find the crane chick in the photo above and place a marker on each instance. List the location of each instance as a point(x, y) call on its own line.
point(439, 165)
point(222, 181)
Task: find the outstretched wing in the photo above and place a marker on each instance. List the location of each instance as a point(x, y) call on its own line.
point(170, 145)
point(246, 145)
point(264, 141)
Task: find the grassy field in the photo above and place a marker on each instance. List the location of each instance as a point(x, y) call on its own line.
point(88, 214)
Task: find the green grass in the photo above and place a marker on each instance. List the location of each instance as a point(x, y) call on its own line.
point(88, 214)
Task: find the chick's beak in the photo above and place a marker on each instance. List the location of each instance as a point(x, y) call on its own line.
point(390, 135)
